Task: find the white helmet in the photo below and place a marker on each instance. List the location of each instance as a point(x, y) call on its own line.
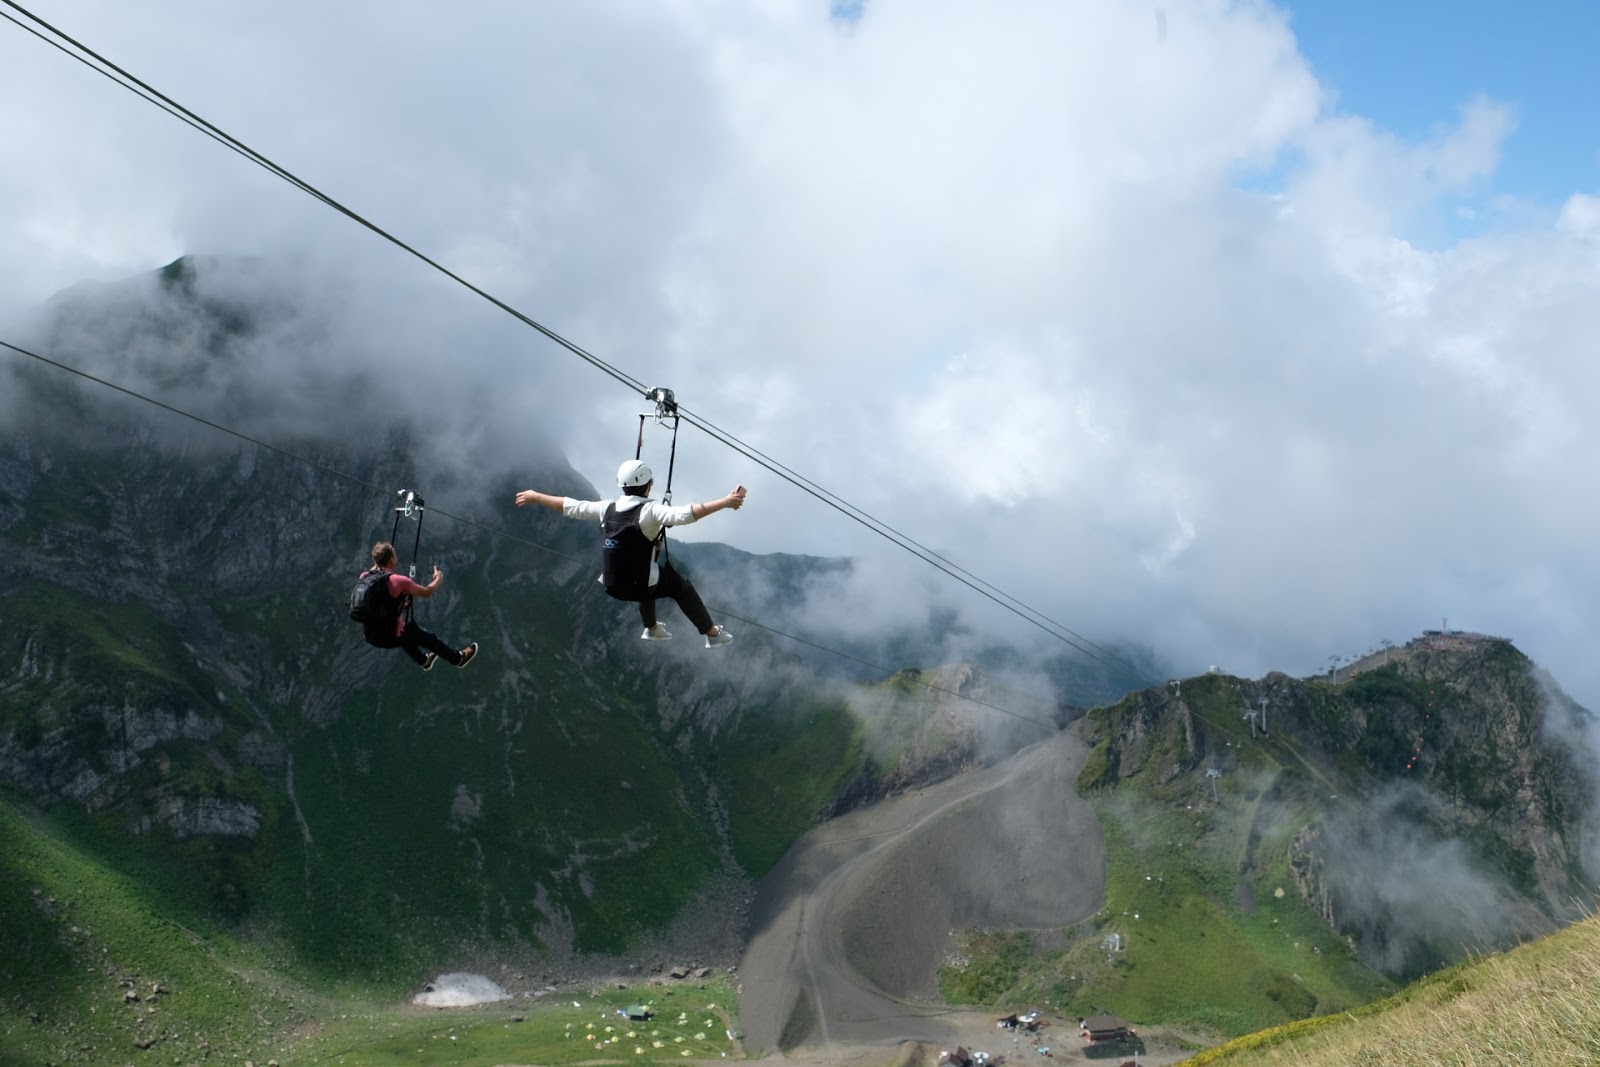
point(634, 472)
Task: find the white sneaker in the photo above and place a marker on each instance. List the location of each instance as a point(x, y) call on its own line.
point(720, 638)
point(656, 633)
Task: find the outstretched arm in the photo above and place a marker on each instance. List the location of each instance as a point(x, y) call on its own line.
point(734, 500)
point(530, 496)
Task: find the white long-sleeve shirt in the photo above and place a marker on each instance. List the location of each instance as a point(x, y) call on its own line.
point(653, 516)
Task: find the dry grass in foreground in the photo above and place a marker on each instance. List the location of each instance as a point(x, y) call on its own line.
point(1537, 1004)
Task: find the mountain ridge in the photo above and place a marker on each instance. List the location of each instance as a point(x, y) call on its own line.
point(1466, 758)
point(187, 710)
point(184, 672)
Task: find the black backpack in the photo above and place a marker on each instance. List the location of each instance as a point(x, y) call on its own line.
point(625, 554)
point(373, 607)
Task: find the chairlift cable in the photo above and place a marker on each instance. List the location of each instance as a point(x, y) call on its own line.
point(473, 523)
point(154, 96)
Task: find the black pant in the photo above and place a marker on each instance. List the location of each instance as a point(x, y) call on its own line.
point(675, 586)
point(415, 638)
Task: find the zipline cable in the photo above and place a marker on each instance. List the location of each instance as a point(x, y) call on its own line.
point(173, 111)
point(152, 95)
point(928, 555)
point(1031, 615)
point(491, 530)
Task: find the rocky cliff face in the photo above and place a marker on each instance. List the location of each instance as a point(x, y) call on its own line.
point(1441, 801)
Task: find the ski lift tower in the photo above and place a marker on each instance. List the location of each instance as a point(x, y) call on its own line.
point(1213, 774)
point(1263, 702)
point(1250, 715)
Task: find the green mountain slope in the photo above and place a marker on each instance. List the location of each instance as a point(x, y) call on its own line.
point(186, 713)
point(1379, 830)
point(102, 964)
point(210, 783)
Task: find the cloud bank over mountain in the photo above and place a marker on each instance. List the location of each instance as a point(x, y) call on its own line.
point(1117, 308)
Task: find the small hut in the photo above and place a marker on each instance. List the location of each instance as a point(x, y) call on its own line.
point(1104, 1028)
point(956, 1057)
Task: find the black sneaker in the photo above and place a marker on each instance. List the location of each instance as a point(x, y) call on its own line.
point(467, 654)
point(428, 660)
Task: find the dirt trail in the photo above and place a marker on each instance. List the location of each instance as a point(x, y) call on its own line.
point(849, 928)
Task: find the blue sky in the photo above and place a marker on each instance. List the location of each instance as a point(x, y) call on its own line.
point(1409, 66)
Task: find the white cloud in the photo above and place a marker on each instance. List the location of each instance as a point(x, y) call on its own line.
point(1581, 216)
point(1127, 317)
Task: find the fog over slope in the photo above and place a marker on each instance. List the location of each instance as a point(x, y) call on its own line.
point(1125, 314)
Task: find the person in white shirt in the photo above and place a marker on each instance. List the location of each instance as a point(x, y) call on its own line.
point(632, 530)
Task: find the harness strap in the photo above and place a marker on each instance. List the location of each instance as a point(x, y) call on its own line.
point(666, 497)
point(666, 406)
point(672, 459)
point(405, 605)
point(414, 507)
point(416, 546)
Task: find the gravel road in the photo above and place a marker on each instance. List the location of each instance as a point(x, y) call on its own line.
point(848, 930)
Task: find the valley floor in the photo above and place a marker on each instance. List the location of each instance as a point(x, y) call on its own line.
point(976, 1031)
point(845, 933)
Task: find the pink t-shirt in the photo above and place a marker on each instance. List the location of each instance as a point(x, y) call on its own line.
point(399, 586)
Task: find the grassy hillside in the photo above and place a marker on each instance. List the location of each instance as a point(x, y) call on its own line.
point(783, 770)
point(1534, 1004)
point(212, 786)
point(1181, 940)
point(99, 964)
point(176, 649)
point(185, 699)
point(99, 968)
point(1375, 835)
point(1203, 925)
point(446, 803)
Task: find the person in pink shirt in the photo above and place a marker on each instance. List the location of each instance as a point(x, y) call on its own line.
point(391, 629)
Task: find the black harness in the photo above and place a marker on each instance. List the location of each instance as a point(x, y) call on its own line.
point(625, 553)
